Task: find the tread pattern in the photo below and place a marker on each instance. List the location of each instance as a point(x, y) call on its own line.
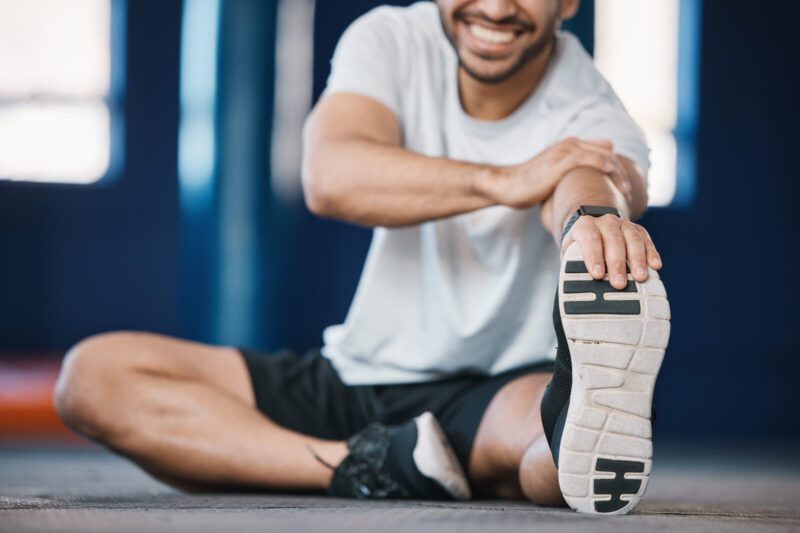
point(599, 305)
point(617, 341)
point(616, 486)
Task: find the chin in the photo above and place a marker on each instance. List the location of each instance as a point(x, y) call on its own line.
point(488, 71)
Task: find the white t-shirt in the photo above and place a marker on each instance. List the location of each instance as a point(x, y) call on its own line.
point(472, 293)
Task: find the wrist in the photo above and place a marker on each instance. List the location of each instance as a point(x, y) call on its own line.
point(561, 226)
point(560, 222)
point(486, 180)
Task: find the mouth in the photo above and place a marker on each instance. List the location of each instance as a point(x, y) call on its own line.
point(491, 39)
point(491, 36)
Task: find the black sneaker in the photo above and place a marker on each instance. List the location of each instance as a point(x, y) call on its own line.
point(597, 409)
point(413, 460)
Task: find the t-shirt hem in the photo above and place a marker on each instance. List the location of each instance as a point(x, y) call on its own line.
point(353, 372)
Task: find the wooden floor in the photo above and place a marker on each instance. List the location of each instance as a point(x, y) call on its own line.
point(700, 488)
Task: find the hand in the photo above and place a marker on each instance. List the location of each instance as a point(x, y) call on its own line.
point(528, 184)
point(607, 240)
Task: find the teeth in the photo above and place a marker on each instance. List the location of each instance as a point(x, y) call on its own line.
point(491, 36)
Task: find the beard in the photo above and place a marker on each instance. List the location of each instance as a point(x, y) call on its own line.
point(530, 53)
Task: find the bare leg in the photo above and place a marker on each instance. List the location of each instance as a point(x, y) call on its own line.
point(185, 412)
point(511, 457)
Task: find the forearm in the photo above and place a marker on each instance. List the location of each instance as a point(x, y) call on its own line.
point(586, 186)
point(582, 186)
point(376, 184)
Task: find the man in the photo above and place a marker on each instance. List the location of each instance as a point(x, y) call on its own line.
point(471, 134)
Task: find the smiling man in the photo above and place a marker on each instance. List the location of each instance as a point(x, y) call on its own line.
point(497, 166)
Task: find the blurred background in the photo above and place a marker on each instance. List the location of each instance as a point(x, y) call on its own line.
point(149, 180)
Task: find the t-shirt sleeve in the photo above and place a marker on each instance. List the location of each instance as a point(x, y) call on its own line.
point(367, 59)
point(606, 118)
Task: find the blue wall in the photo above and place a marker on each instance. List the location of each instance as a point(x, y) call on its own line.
point(75, 261)
point(732, 366)
point(78, 260)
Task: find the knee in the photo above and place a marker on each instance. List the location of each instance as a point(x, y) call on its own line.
point(509, 426)
point(84, 392)
point(538, 475)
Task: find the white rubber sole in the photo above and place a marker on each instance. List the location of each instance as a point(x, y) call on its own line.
point(436, 459)
point(606, 452)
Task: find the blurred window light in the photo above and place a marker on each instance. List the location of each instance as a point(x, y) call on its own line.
point(55, 90)
point(294, 65)
point(637, 50)
point(197, 157)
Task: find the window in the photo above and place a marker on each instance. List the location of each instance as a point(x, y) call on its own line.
point(197, 131)
point(294, 65)
point(637, 50)
point(57, 97)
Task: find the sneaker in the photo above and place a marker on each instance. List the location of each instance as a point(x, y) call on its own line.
point(597, 409)
point(413, 460)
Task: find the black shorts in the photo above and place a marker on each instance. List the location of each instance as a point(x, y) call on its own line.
point(305, 394)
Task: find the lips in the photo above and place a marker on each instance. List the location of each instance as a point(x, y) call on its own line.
point(492, 38)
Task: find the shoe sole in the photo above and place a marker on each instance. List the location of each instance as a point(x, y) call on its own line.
point(616, 342)
point(436, 459)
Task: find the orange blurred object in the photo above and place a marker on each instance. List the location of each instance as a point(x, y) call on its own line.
point(26, 400)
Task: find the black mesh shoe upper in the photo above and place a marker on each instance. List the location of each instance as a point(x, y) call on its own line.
point(381, 465)
point(555, 400)
point(363, 474)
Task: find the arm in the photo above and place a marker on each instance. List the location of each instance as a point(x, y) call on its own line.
point(606, 240)
point(355, 169)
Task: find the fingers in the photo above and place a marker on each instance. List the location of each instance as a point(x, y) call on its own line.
point(603, 143)
point(595, 154)
point(622, 180)
point(615, 250)
point(637, 255)
point(619, 175)
point(588, 236)
point(653, 257)
point(593, 158)
point(609, 245)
